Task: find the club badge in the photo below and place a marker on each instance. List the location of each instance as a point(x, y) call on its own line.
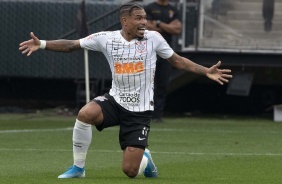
point(141, 46)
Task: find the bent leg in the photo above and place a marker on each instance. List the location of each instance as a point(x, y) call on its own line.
point(82, 136)
point(90, 114)
point(132, 157)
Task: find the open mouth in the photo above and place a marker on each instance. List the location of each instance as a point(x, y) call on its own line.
point(141, 30)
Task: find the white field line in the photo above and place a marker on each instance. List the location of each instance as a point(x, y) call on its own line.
point(116, 151)
point(154, 152)
point(153, 130)
point(36, 130)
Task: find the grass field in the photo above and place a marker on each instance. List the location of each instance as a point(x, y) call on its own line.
point(36, 148)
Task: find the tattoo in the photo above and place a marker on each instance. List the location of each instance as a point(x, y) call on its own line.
point(62, 45)
point(200, 69)
point(172, 62)
point(185, 66)
point(73, 46)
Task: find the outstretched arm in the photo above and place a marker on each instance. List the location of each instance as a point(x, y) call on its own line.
point(214, 73)
point(34, 44)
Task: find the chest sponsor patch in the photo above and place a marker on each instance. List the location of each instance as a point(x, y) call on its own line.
point(129, 68)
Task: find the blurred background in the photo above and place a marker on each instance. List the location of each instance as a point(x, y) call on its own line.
point(234, 32)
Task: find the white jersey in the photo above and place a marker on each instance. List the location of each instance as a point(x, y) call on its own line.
point(132, 65)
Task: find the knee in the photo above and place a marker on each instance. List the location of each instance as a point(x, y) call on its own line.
point(88, 114)
point(84, 114)
point(130, 171)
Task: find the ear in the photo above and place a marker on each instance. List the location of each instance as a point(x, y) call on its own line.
point(123, 20)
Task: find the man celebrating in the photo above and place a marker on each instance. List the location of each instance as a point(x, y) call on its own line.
point(131, 54)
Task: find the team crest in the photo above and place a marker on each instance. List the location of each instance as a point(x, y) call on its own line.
point(141, 46)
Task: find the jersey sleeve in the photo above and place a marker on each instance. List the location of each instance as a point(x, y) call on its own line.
point(163, 49)
point(93, 42)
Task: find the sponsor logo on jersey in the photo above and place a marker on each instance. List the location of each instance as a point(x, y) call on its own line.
point(129, 99)
point(123, 59)
point(129, 68)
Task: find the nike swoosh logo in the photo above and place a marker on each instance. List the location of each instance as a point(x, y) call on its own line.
point(141, 139)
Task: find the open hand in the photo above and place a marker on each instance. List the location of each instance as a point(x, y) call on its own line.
point(30, 46)
point(219, 75)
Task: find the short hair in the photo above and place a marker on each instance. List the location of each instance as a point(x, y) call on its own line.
point(127, 9)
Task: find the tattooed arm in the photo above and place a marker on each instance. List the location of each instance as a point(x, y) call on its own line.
point(34, 44)
point(63, 45)
point(186, 64)
point(214, 73)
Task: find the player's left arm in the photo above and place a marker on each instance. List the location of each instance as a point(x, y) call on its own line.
point(214, 73)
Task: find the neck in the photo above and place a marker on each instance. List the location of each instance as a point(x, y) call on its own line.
point(126, 36)
point(162, 2)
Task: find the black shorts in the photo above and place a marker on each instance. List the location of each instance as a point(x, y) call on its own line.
point(134, 126)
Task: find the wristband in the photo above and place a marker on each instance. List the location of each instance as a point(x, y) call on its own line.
point(42, 44)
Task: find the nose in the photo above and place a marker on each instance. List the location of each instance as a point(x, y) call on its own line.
point(144, 21)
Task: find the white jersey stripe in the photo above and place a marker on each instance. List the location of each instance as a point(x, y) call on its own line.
point(148, 83)
point(132, 65)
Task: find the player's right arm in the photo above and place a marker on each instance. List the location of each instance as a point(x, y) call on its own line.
point(34, 44)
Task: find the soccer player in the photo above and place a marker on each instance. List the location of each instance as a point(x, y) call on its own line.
point(131, 53)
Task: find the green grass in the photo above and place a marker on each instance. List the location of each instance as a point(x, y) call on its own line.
point(36, 148)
